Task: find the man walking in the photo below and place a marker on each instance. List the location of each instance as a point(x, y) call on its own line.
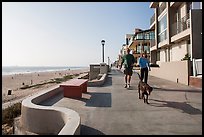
point(128, 61)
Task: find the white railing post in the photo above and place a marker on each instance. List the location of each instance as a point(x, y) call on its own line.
point(194, 69)
point(197, 67)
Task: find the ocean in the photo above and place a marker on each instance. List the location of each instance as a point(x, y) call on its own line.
point(9, 70)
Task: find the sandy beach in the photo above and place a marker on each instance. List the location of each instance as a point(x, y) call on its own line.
point(16, 81)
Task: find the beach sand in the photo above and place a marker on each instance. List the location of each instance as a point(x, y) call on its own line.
point(14, 82)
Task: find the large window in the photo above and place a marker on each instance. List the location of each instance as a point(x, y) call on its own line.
point(146, 48)
point(162, 27)
point(146, 35)
point(138, 49)
point(151, 35)
point(139, 36)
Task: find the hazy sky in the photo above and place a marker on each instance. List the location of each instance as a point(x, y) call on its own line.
point(68, 33)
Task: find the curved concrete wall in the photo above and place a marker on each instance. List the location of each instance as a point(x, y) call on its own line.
point(48, 119)
point(96, 82)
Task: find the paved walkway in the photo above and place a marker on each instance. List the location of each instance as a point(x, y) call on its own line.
point(174, 109)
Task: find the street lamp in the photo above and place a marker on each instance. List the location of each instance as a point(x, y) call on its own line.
point(103, 43)
point(108, 61)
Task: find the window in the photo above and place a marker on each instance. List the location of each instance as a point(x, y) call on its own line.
point(162, 28)
point(151, 35)
point(162, 24)
point(146, 48)
point(138, 49)
point(146, 35)
point(139, 36)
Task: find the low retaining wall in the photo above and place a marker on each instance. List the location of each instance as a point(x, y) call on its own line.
point(48, 120)
point(176, 71)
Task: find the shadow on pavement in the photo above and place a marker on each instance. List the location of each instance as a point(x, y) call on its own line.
point(182, 90)
point(108, 82)
point(99, 100)
point(186, 108)
point(85, 130)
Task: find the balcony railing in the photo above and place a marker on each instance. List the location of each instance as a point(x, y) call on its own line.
point(161, 8)
point(152, 19)
point(181, 25)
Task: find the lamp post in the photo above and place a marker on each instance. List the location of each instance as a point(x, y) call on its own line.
point(103, 43)
point(108, 61)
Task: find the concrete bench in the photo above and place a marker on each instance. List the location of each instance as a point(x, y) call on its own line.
point(47, 120)
point(74, 88)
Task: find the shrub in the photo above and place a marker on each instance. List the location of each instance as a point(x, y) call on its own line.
point(186, 57)
point(10, 113)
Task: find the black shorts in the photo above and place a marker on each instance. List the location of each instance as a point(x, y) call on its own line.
point(128, 71)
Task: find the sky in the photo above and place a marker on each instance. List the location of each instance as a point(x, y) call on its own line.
point(68, 33)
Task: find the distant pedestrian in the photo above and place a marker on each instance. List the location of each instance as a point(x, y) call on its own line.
point(144, 67)
point(128, 61)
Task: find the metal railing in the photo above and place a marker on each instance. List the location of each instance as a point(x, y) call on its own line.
point(180, 25)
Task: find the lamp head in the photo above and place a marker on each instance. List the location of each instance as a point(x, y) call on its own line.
point(102, 42)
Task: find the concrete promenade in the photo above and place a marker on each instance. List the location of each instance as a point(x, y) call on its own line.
point(174, 109)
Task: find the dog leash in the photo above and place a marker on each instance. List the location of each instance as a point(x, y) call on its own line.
point(138, 75)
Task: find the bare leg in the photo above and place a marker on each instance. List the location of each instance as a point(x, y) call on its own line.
point(125, 79)
point(129, 79)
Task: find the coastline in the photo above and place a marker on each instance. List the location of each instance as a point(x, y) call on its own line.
point(15, 81)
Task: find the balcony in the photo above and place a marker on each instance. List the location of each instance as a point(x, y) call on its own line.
point(181, 25)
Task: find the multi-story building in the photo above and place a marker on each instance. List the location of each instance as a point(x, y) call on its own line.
point(178, 35)
point(140, 42)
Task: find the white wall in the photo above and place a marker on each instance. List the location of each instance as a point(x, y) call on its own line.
point(162, 55)
point(176, 71)
point(178, 51)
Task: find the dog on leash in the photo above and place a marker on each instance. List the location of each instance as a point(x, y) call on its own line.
point(144, 90)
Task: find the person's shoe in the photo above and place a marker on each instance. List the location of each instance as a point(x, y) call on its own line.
point(125, 86)
point(128, 86)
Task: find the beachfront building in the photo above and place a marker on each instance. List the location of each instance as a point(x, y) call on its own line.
point(122, 52)
point(178, 37)
point(140, 43)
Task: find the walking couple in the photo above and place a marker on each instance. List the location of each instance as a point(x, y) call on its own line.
point(128, 60)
